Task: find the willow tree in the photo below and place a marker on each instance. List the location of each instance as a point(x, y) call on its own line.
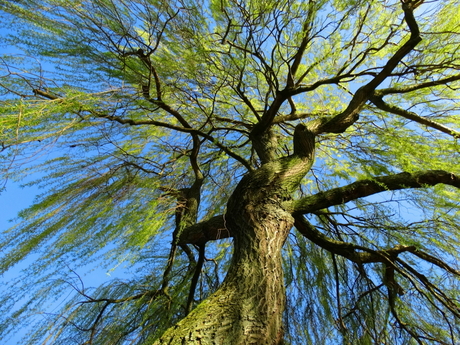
point(268, 171)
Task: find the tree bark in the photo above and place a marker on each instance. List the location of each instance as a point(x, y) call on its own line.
point(248, 307)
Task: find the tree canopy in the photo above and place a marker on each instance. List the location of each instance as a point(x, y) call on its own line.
point(199, 143)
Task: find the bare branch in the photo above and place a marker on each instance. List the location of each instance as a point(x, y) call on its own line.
point(409, 88)
point(381, 104)
point(194, 281)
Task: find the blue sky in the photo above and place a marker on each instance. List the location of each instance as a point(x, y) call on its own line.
point(12, 200)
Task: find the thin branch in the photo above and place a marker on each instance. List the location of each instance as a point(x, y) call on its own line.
point(306, 39)
point(381, 104)
point(353, 252)
point(165, 107)
point(409, 88)
point(196, 276)
point(435, 261)
point(337, 294)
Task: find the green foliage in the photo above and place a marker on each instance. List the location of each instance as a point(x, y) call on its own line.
point(103, 102)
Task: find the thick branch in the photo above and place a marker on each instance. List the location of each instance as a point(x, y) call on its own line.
point(350, 115)
point(355, 253)
point(299, 115)
point(363, 188)
point(200, 233)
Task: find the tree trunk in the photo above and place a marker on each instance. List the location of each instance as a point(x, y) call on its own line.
point(248, 307)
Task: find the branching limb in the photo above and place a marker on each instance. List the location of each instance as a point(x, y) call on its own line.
point(392, 264)
point(350, 115)
point(363, 188)
point(355, 253)
point(434, 290)
point(363, 255)
point(339, 123)
point(188, 203)
point(179, 129)
point(150, 122)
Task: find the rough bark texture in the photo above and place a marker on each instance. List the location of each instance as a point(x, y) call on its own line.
point(248, 307)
